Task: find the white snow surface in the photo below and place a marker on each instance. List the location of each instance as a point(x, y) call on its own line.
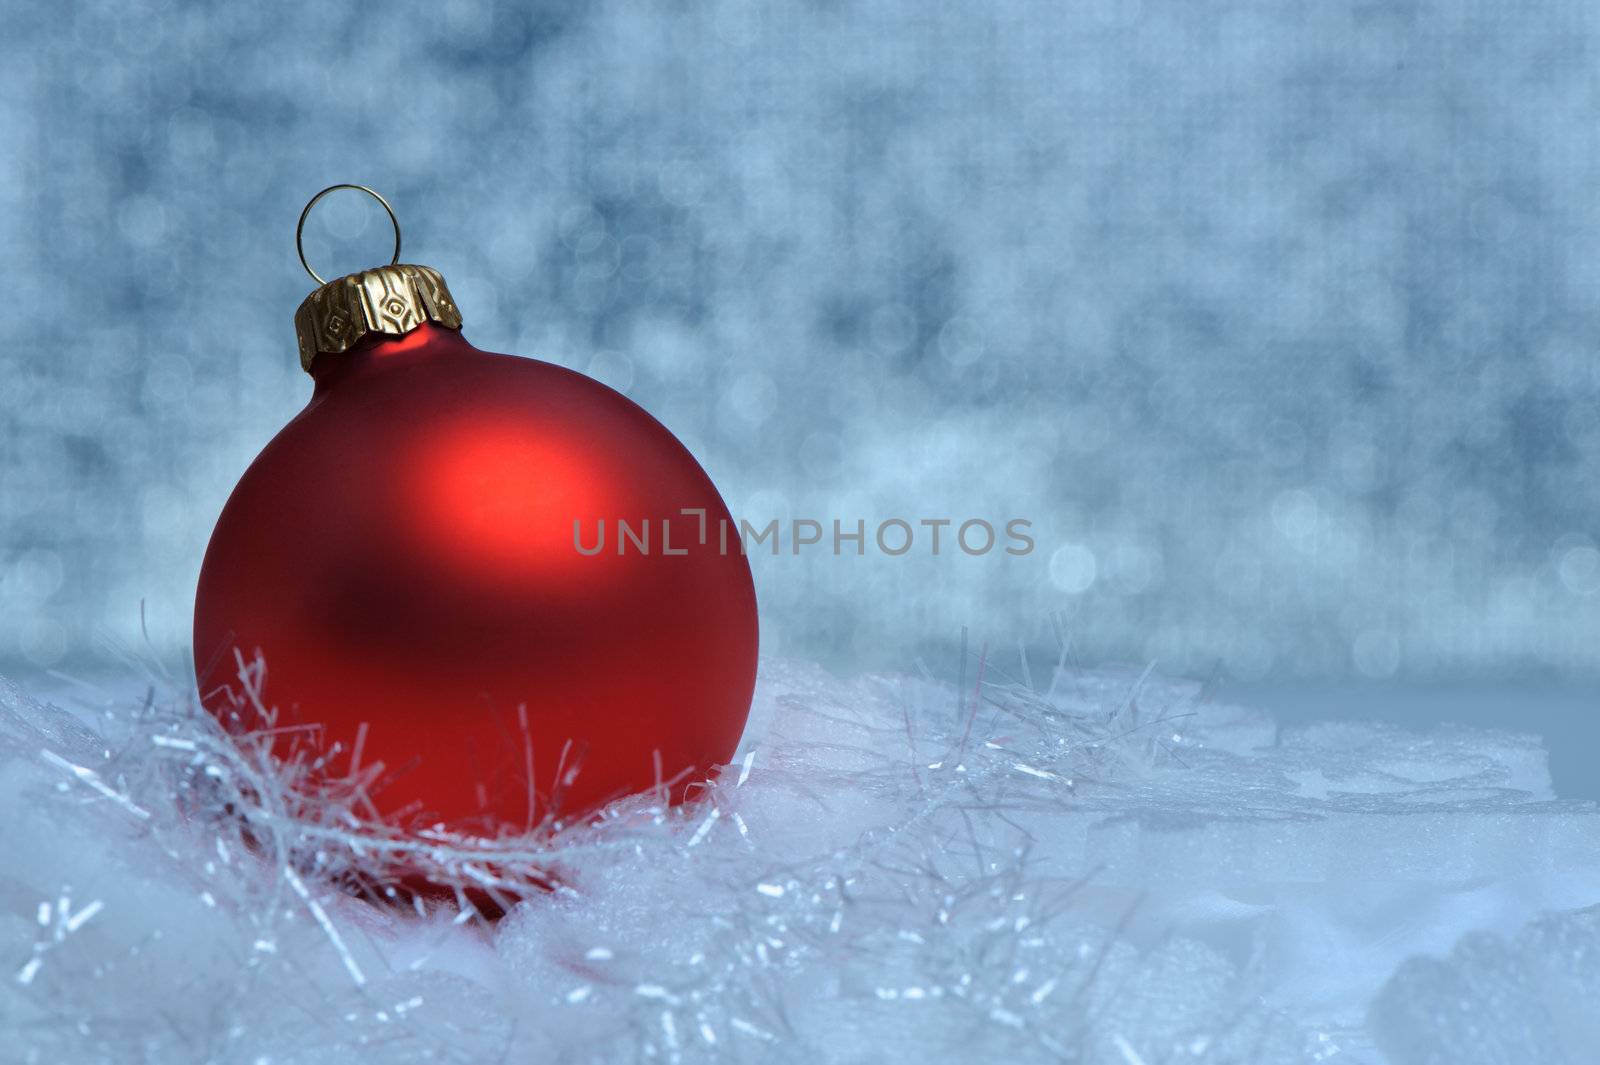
point(1111, 868)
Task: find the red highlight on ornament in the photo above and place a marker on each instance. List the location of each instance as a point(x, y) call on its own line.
point(498, 495)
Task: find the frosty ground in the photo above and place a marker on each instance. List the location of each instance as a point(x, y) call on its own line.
point(1080, 867)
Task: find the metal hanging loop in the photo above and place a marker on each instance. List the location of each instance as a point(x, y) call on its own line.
point(300, 228)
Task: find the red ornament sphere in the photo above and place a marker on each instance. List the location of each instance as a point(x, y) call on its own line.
point(414, 558)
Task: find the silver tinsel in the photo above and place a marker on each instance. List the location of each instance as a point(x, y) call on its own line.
point(1109, 868)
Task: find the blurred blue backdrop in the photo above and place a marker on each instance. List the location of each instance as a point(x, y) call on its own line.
point(1277, 318)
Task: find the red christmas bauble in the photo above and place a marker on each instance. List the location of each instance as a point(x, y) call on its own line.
point(413, 558)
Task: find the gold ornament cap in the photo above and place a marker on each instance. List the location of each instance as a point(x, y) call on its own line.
point(389, 300)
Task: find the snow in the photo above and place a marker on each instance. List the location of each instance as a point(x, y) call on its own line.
point(1111, 869)
point(1525, 997)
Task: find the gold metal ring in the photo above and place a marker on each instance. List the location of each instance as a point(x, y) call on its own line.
point(299, 229)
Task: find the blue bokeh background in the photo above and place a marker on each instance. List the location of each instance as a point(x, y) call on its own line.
point(1278, 319)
